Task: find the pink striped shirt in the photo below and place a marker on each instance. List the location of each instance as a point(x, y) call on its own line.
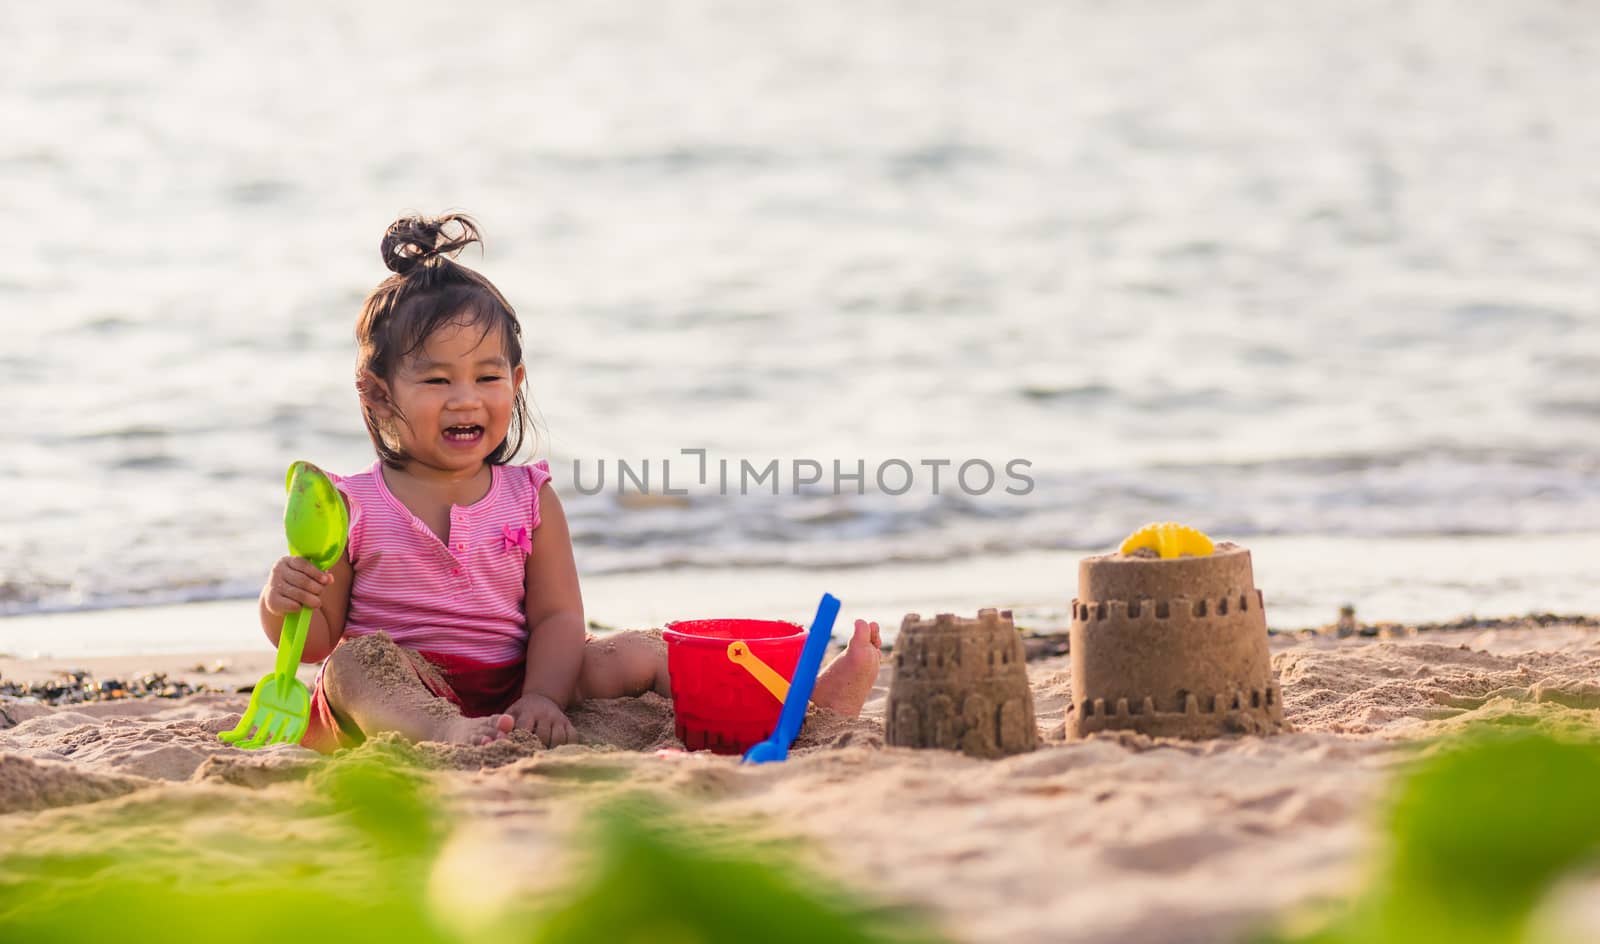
point(462, 599)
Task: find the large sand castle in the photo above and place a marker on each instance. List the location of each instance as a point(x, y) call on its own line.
point(1171, 647)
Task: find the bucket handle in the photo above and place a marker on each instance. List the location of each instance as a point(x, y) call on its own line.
point(739, 654)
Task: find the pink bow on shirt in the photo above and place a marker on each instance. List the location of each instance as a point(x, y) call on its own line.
point(513, 538)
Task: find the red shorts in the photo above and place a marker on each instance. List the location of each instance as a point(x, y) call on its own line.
point(478, 689)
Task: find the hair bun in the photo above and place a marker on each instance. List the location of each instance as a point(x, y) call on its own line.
point(413, 241)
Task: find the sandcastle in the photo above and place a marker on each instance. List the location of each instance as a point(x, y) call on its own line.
point(961, 684)
point(1171, 647)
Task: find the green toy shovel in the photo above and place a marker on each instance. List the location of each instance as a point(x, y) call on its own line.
point(316, 523)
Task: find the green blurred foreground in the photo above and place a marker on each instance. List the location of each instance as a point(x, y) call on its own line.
point(645, 881)
point(1478, 835)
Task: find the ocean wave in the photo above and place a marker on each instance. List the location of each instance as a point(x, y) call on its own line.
point(1417, 494)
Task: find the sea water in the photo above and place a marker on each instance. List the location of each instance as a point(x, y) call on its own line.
point(1319, 272)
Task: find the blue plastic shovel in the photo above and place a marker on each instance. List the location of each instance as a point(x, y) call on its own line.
point(805, 678)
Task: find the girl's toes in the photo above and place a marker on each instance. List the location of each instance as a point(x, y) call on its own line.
point(866, 634)
point(503, 725)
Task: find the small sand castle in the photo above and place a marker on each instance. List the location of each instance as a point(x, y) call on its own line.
point(1169, 638)
point(961, 684)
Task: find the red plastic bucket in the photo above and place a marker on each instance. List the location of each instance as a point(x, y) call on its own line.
point(716, 703)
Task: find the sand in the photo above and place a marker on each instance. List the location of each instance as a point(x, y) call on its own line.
point(1118, 837)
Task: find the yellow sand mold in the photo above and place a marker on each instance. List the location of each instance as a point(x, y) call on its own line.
point(1169, 539)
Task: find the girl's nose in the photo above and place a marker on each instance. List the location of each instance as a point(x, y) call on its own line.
point(463, 396)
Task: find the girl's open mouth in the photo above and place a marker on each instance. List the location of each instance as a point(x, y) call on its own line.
point(463, 434)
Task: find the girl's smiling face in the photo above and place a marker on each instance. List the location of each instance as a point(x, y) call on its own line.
point(450, 404)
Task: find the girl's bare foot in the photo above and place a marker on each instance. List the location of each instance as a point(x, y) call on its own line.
point(474, 731)
point(847, 681)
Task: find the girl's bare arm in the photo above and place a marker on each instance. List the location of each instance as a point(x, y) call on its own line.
point(554, 606)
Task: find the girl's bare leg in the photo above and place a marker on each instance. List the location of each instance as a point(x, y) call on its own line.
point(371, 682)
point(628, 664)
point(624, 665)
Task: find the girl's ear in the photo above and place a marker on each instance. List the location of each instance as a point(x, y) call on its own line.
point(375, 395)
point(518, 376)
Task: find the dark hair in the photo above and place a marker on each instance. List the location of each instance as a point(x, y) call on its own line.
point(427, 291)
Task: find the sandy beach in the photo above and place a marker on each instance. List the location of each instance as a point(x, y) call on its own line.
point(1122, 837)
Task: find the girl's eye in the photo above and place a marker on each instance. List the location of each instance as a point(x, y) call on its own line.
point(435, 380)
point(489, 379)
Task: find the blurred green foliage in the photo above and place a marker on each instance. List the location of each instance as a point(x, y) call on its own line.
point(1478, 834)
point(655, 883)
point(245, 890)
point(646, 878)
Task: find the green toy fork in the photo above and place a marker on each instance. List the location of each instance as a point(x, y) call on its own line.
point(316, 523)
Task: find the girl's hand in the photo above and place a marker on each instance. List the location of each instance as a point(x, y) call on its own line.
point(544, 718)
point(293, 583)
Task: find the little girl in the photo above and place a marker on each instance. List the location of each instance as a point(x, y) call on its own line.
point(455, 613)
